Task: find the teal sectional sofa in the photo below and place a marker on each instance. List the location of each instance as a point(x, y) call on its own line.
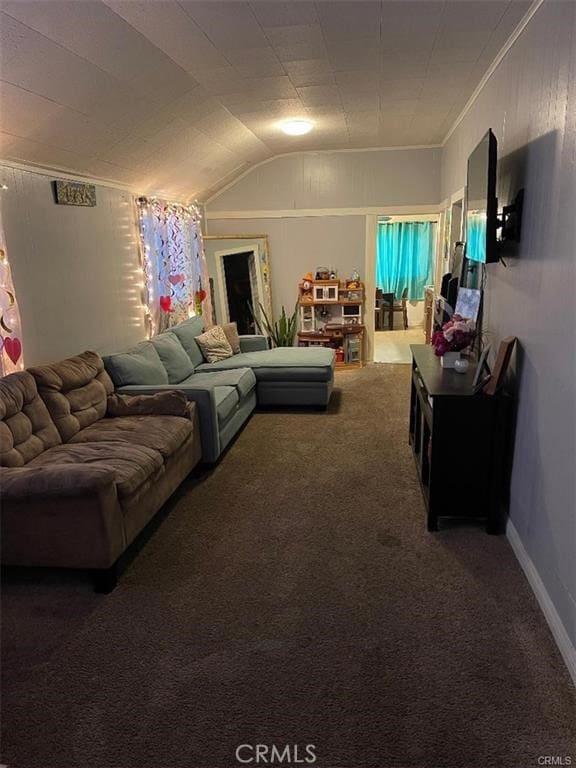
point(225, 392)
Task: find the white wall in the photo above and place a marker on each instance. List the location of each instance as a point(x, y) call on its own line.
point(75, 269)
point(359, 179)
point(299, 245)
point(530, 104)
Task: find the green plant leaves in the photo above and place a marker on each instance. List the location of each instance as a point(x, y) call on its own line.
point(280, 332)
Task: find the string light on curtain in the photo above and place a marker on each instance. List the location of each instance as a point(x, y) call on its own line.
point(173, 263)
point(11, 357)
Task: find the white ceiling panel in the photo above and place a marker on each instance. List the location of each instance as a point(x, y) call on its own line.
point(313, 95)
point(180, 95)
point(171, 29)
point(256, 62)
point(350, 20)
point(282, 14)
point(309, 72)
point(23, 112)
point(307, 34)
point(228, 25)
point(92, 31)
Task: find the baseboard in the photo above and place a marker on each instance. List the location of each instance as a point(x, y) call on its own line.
point(560, 635)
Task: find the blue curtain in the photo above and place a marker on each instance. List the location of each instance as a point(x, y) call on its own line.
point(404, 257)
point(476, 236)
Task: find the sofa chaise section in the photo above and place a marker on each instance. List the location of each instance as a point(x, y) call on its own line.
point(292, 376)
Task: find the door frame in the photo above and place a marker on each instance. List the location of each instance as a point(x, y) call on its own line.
point(370, 267)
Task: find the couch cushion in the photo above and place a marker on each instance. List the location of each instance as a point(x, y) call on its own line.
point(26, 429)
point(140, 365)
point(231, 333)
point(75, 391)
point(169, 403)
point(186, 333)
point(281, 364)
point(174, 359)
point(131, 464)
point(242, 379)
point(226, 401)
point(214, 345)
point(164, 434)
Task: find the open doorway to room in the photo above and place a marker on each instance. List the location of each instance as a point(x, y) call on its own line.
point(237, 285)
point(405, 257)
point(239, 289)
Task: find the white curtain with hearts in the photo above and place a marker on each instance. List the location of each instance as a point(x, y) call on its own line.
point(11, 357)
point(174, 263)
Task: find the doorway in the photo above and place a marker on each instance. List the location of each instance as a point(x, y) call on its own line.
point(239, 293)
point(405, 256)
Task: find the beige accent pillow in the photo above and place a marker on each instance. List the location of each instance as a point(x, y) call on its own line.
point(214, 345)
point(231, 332)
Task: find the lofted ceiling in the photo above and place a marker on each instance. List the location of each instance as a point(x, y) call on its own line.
point(178, 97)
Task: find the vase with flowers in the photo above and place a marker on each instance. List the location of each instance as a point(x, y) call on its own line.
point(457, 334)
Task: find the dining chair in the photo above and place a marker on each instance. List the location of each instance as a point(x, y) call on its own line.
point(379, 310)
point(390, 305)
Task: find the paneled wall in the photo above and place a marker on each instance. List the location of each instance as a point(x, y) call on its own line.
point(75, 269)
point(530, 104)
point(358, 179)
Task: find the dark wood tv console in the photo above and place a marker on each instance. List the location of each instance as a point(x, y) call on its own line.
point(459, 441)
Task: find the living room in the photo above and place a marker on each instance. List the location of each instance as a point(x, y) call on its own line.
point(281, 600)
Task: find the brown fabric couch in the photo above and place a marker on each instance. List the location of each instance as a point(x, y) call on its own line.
point(76, 485)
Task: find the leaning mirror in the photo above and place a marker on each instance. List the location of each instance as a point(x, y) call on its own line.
point(239, 272)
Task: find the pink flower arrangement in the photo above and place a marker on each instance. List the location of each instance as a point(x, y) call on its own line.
point(458, 333)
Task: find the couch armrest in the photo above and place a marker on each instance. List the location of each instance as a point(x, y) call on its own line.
point(204, 398)
point(253, 343)
point(62, 516)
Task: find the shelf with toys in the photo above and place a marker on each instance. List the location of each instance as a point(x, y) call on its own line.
point(331, 314)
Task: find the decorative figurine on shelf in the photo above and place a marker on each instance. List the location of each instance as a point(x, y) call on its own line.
point(307, 281)
point(333, 274)
point(354, 279)
point(322, 273)
point(306, 292)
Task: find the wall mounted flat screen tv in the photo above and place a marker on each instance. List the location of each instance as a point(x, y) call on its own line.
point(481, 202)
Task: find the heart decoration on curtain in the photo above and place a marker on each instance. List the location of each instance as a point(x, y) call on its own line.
point(176, 279)
point(165, 303)
point(13, 348)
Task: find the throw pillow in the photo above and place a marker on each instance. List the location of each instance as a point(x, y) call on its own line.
point(186, 333)
point(171, 403)
point(177, 363)
point(214, 345)
point(141, 365)
point(231, 332)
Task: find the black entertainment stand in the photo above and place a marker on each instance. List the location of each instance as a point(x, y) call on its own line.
point(459, 441)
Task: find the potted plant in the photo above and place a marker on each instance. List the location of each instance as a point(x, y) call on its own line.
point(281, 331)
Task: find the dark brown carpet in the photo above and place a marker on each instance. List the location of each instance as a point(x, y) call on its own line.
point(292, 596)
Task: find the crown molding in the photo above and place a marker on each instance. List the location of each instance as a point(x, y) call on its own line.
point(301, 213)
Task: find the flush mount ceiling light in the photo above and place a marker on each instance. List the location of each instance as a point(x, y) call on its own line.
point(296, 127)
